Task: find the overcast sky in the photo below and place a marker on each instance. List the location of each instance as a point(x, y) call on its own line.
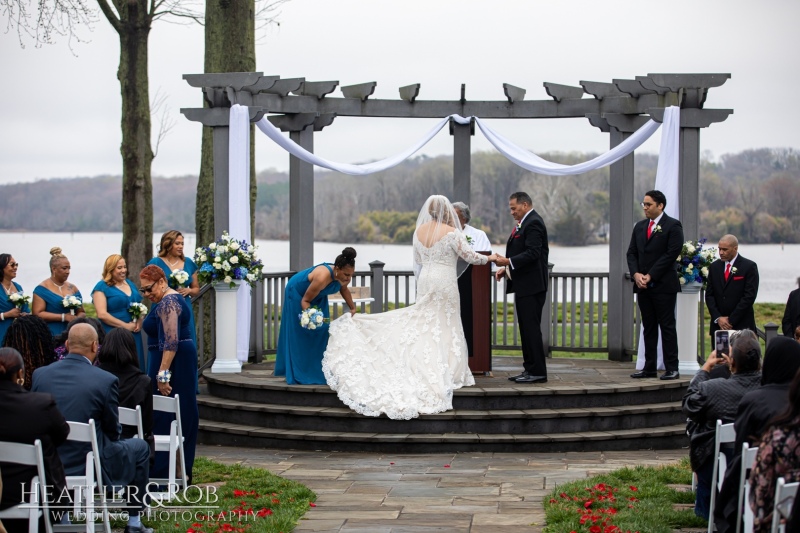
point(60, 112)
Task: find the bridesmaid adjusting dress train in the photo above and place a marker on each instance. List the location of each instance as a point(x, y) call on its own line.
point(300, 350)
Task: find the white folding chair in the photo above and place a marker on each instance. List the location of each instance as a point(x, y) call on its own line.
point(172, 443)
point(784, 499)
point(132, 417)
point(725, 434)
point(88, 486)
point(748, 458)
point(36, 505)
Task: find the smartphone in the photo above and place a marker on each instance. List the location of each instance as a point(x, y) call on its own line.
point(722, 339)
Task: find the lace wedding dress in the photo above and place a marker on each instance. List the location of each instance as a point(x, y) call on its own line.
point(406, 362)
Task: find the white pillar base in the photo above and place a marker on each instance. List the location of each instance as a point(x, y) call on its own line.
point(687, 313)
point(225, 361)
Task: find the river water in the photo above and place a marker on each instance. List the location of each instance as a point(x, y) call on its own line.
point(778, 265)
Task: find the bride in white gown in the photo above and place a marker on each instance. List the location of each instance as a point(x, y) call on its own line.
point(408, 362)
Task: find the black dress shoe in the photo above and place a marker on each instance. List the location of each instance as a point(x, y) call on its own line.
point(514, 378)
point(670, 374)
point(643, 374)
point(531, 379)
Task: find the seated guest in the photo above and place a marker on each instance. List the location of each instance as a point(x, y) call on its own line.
point(84, 392)
point(778, 456)
point(30, 336)
point(756, 409)
point(28, 416)
point(48, 296)
point(708, 400)
point(61, 340)
point(118, 356)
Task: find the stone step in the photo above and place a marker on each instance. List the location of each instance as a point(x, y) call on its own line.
point(227, 433)
point(507, 421)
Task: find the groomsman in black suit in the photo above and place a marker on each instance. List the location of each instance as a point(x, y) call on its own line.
point(525, 270)
point(655, 245)
point(732, 288)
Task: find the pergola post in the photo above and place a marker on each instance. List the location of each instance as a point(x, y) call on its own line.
point(221, 179)
point(301, 204)
point(689, 182)
point(462, 154)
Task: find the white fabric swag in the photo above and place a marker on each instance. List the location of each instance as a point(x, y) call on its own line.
point(513, 152)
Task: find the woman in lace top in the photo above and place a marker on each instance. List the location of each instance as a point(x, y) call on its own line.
point(408, 362)
point(172, 364)
point(778, 456)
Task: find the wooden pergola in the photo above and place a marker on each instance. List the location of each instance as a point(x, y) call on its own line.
point(618, 108)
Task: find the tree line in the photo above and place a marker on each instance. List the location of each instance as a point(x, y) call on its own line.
point(754, 194)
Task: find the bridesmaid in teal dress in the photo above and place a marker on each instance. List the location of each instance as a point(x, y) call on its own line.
point(49, 295)
point(112, 296)
point(300, 350)
point(171, 259)
point(8, 309)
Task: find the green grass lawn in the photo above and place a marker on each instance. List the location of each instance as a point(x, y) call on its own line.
point(243, 500)
point(631, 499)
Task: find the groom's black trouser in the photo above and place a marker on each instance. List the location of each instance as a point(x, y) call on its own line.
point(529, 314)
point(658, 312)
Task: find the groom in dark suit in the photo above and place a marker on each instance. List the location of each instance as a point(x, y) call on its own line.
point(525, 270)
point(732, 288)
point(655, 245)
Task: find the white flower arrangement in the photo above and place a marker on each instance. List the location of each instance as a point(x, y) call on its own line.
point(72, 303)
point(178, 278)
point(312, 318)
point(228, 260)
point(693, 262)
point(20, 300)
point(136, 310)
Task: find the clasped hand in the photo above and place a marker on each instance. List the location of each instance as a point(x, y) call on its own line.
point(641, 280)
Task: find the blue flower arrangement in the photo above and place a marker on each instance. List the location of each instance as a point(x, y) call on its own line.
point(228, 259)
point(693, 262)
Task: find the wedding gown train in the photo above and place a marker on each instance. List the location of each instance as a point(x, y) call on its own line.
point(406, 362)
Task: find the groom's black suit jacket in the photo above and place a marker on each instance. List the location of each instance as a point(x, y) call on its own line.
point(529, 252)
point(657, 255)
point(733, 298)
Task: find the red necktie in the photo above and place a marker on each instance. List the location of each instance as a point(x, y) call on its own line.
point(650, 228)
point(727, 271)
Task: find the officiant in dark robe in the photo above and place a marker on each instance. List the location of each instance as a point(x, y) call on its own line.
point(480, 243)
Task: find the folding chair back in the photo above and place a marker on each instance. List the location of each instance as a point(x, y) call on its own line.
point(725, 435)
point(132, 417)
point(744, 511)
point(172, 443)
point(36, 506)
point(88, 485)
point(784, 499)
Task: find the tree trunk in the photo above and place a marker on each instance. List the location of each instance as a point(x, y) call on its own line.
point(137, 154)
point(230, 47)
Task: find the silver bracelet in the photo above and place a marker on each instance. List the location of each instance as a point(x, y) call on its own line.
point(62, 317)
point(2, 316)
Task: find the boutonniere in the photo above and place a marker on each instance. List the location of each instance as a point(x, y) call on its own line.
point(469, 239)
point(519, 226)
point(733, 270)
point(657, 229)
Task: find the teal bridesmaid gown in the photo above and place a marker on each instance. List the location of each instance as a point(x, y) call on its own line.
point(52, 304)
point(190, 267)
point(300, 350)
point(117, 304)
point(5, 306)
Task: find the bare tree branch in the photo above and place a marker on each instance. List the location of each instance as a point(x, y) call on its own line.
point(166, 122)
point(112, 18)
point(46, 19)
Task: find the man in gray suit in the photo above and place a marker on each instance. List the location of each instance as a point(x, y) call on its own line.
point(82, 392)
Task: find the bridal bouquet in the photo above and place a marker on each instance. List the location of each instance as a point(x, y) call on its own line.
point(312, 318)
point(177, 278)
point(693, 262)
point(228, 259)
point(20, 300)
point(137, 310)
point(72, 303)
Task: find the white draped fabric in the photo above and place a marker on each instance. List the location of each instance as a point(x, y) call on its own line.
point(666, 182)
point(239, 214)
point(513, 152)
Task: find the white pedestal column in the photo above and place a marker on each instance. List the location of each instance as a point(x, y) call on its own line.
point(225, 361)
point(687, 315)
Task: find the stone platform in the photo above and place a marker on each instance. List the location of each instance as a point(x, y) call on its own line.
point(586, 405)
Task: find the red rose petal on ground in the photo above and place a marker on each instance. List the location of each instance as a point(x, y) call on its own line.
point(552, 500)
point(595, 529)
point(391, 463)
point(447, 466)
point(312, 504)
point(634, 489)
